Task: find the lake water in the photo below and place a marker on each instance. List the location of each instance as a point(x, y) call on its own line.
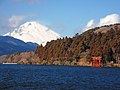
point(30, 77)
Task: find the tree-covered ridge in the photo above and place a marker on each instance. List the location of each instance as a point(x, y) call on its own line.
point(100, 41)
point(91, 43)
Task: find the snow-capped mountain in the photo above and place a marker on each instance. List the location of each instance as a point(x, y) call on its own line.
point(34, 32)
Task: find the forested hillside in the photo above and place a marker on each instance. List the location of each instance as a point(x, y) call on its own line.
point(101, 41)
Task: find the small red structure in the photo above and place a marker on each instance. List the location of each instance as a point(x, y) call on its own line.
point(97, 61)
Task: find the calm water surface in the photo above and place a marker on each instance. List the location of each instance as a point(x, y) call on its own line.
point(29, 77)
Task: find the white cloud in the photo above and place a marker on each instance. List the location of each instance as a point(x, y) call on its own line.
point(14, 21)
point(8, 24)
point(109, 19)
point(90, 24)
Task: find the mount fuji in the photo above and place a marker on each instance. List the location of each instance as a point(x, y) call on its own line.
point(34, 32)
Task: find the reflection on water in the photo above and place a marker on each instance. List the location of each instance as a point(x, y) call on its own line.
point(28, 77)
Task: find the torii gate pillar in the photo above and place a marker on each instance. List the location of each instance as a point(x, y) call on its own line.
point(97, 61)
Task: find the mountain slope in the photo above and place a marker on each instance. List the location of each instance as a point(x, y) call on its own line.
point(10, 45)
point(34, 32)
point(100, 41)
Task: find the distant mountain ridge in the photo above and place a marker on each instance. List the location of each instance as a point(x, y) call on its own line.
point(34, 32)
point(10, 45)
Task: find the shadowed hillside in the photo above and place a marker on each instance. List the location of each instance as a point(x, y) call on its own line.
point(10, 45)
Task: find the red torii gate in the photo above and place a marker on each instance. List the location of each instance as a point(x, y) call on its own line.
point(97, 61)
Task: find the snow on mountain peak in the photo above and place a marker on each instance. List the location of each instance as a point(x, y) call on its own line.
point(34, 32)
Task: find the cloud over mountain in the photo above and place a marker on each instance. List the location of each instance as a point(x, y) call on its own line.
point(90, 25)
point(8, 24)
point(14, 21)
point(107, 20)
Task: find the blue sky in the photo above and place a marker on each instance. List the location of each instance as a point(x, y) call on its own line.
point(66, 17)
